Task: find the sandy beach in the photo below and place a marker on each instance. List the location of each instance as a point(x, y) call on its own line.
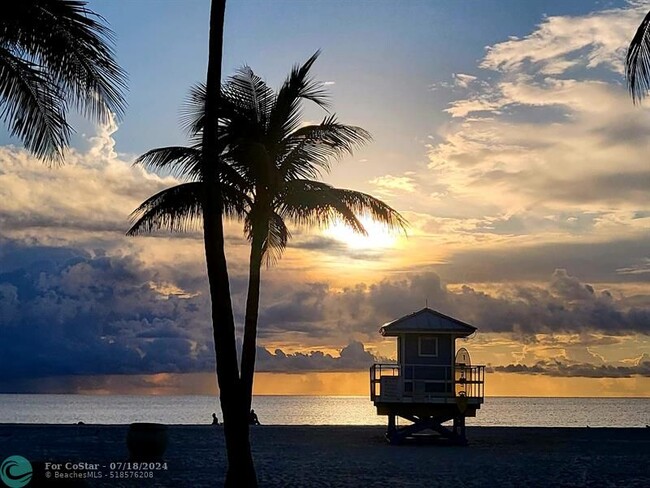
point(305, 456)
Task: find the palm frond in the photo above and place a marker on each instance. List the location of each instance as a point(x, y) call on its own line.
point(179, 161)
point(272, 232)
point(230, 177)
point(366, 205)
point(314, 203)
point(300, 85)
point(313, 206)
point(251, 94)
point(637, 61)
point(192, 110)
point(252, 161)
point(55, 53)
point(231, 117)
point(179, 208)
point(312, 148)
point(33, 107)
point(176, 209)
point(286, 114)
point(74, 45)
point(185, 163)
point(245, 106)
point(276, 241)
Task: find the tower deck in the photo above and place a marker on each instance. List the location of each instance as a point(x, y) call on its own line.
point(428, 396)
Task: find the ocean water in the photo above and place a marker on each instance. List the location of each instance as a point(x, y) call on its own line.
point(314, 410)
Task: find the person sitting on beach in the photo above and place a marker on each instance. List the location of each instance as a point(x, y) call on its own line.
point(215, 420)
point(252, 418)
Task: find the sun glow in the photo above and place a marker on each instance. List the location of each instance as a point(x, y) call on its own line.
point(379, 235)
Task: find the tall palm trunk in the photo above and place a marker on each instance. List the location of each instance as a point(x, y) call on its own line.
point(241, 471)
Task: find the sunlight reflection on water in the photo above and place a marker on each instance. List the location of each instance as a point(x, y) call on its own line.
point(313, 410)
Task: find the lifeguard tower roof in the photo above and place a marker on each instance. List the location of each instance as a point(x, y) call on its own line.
point(427, 320)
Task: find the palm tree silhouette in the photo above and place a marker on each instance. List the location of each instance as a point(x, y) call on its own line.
point(53, 54)
point(268, 164)
point(241, 470)
point(637, 61)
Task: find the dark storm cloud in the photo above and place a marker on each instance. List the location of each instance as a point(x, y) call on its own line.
point(67, 312)
point(319, 312)
point(15, 256)
point(564, 305)
point(304, 310)
point(584, 370)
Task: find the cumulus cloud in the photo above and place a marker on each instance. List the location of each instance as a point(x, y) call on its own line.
point(564, 305)
point(548, 132)
point(462, 80)
point(67, 311)
point(390, 183)
point(562, 43)
point(93, 192)
point(79, 313)
point(352, 357)
point(585, 370)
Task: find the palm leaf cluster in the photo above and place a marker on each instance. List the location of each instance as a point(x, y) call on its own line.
point(55, 54)
point(269, 166)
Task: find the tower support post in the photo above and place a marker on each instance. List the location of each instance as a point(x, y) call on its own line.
point(456, 434)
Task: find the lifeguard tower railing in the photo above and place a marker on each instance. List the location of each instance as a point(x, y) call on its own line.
point(425, 383)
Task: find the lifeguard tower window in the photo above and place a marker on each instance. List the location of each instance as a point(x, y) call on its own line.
point(428, 346)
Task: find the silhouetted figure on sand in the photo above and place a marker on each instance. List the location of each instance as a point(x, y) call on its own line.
point(252, 418)
point(215, 420)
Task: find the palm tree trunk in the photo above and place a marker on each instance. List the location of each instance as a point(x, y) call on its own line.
point(249, 347)
point(241, 471)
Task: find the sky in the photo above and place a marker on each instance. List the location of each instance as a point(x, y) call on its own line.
point(503, 132)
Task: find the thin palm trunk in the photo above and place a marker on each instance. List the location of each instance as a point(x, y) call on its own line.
point(241, 471)
point(249, 347)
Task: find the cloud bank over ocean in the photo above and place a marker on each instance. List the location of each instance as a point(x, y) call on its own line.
point(67, 311)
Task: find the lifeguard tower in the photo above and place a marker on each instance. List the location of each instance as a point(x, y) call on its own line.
point(431, 382)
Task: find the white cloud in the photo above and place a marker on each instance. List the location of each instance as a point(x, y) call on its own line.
point(562, 43)
point(398, 183)
point(462, 80)
point(462, 108)
point(93, 192)
point(552, 134)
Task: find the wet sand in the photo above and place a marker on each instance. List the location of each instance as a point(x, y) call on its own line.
point(306, 456)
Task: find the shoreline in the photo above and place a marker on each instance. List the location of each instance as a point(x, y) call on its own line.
point(358, 456)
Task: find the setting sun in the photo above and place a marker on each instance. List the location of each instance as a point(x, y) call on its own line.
point(379, 236)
